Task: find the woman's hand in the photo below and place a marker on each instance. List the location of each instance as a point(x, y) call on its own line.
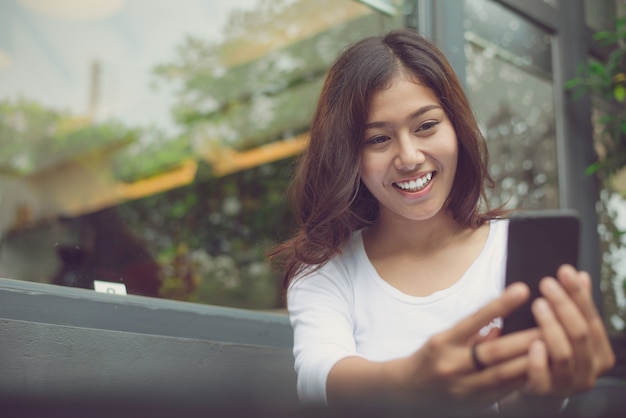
point(443, 369)
point(574, 349)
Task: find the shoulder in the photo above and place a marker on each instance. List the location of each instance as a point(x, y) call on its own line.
point(335, 276)
point(350, 254)
point(498, 234)
point(500, 226)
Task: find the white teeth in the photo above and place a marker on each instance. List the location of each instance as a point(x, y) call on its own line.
point(415, 185)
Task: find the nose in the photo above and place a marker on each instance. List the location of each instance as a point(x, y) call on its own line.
point(409, 155)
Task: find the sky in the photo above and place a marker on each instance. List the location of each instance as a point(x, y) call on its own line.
point(47, 47)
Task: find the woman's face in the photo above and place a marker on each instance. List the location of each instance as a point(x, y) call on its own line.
point(409, 158)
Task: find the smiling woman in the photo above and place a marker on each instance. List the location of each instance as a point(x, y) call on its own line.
point(395, 278)
point(411, 155)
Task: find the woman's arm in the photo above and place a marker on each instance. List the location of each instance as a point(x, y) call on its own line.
point(443, 370)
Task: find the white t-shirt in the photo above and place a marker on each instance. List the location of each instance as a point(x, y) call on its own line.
point(346, 309)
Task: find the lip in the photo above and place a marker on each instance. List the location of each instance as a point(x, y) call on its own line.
point(417, 194)
point(414, 195)
point(415, 177)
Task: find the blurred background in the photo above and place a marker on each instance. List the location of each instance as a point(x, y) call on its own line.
point(150, 143)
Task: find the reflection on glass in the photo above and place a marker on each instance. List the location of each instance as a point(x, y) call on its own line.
point(611, 209)
point(611, 224)
point(508, 35)
point(507, 64)
point(151, 144)
point(600, 14)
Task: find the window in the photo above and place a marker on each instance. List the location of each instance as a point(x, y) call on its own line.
point(509, 84)
point(149, 144)
point(600, 14)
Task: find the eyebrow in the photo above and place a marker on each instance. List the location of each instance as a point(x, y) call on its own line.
point(417, 113)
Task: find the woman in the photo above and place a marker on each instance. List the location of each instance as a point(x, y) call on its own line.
point(395, 277)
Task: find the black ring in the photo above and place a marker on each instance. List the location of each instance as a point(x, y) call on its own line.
point(477, 363)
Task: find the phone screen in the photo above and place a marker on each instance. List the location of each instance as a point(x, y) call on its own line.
point(538, 243)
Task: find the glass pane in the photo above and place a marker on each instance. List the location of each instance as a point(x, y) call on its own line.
point(513, 38)
point(612, 223)
point(611, 210)
point(149, 143)
point(514, 105)
point(600, 14)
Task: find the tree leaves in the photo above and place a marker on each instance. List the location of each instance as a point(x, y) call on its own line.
point(606, 80)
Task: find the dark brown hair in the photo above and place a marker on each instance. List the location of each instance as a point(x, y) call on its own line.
point(329, 200)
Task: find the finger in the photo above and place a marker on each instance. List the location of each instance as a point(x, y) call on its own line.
point(512, 297)
point(573, 321)
point(539, 380)
point(556, 340)
point(578, 285)
point(585, 280)
point(493, 333)
point(565, 307)
point(498, 381)
point(492, 352)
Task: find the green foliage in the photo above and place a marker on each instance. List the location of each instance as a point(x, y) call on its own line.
point(606, 80)
point(210, 237)
point(152, 153)
point(24, 126)
point(255, 87)
point(87, 139)
point(258, 85)
point(34, 137)
point(245, 104)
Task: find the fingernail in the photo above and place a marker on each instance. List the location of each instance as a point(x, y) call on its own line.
point(518, 289)
point(570, 274)
point(574, 278)
point(550, 285)
point(541, 305)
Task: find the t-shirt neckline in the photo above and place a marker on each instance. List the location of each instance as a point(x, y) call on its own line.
point(394, 292)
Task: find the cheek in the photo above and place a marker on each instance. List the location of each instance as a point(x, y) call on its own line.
point(454, 156)
point(369, 169)
point(453, 165)
point(452, 150)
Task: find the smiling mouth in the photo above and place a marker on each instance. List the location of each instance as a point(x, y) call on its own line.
point(416, 185)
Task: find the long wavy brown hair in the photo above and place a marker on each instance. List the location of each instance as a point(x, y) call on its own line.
point(329, 201)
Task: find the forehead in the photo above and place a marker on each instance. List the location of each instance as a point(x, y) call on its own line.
point(401, 96)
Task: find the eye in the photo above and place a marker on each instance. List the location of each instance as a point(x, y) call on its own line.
point(428, 125)
point(377, 140)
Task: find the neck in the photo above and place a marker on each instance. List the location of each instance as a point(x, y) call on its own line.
point(421, 237)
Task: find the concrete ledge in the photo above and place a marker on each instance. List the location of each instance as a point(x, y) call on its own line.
point(50, 304)
point(45, 362)
point(67, 347)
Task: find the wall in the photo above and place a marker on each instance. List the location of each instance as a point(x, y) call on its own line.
point(75, 347)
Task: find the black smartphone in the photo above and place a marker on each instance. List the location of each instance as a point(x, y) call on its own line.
point(539, 241)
